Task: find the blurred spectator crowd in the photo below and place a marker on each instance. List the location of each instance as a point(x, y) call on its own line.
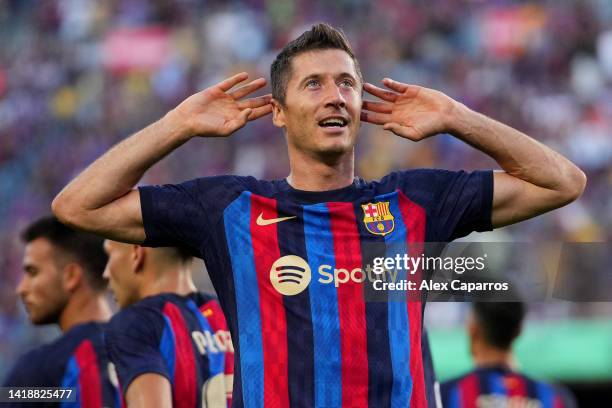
point(77, 76)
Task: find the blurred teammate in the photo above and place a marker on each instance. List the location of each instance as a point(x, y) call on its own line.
point(63, 285)
point(169, 343)
point(280, 252)
point(492, 328)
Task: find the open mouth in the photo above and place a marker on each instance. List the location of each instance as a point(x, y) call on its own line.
point(335, 122)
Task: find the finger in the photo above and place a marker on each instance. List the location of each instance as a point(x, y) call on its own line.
point(405, 89)
point(383, 94)
point(395, 85)
point(375, 118)
point(230, 82)
point(260, 112)
point(380, 107)
point(255, 102)
point(239, 121)
point(248, 88)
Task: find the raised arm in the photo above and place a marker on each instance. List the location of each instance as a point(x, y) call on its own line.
point(536, 179)
point(102, 199)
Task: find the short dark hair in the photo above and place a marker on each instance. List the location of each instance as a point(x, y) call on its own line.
point(183, 254)
point(85, 247)
point(500, 321)
point(321, 36)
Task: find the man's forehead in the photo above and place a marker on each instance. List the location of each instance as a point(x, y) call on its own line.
point(39, 246)
point(39, 249)
point(325, 62)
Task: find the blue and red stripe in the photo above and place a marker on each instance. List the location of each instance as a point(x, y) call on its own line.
point(398, 319)
point(324, 308)
point(166, 347)
point(184, 385)
point(83, 373)
point(351, 306)
point(272, 311)
point(249, 351)
point(89, 375)
point(380, 370)
point(414, 219)
point(300, 348)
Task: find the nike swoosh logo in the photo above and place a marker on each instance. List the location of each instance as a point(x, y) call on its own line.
point(261, 221)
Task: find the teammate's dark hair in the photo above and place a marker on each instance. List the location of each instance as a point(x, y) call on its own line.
point(86, 248)
point(183, 254)
point(320, 37)
point(500, 321)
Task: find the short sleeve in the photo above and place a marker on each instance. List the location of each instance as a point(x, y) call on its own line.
point(458, 202)
point(132, 340)
point(185, 214)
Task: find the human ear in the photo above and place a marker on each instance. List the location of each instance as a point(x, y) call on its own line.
point(138, 258)
point(278, 114)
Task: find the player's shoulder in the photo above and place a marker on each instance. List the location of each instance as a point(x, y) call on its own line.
point(66, 345)
point(558, 393)
point(421, 185)
point(453, 382)
point(89, 330)
point(150, 306)
point(552, 390)
point(224, 189)
point(148, 313)
point(46, 363)
point(420, 177)
point(204, 188)
point(233, 182)
point(428, 186)
point(29, 368)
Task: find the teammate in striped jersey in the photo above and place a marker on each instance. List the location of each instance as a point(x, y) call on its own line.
point(492, 328)
point(63, 285)
point(287, 257)
point(170, 345)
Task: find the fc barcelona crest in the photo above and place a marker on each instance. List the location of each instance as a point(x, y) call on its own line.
point(378, 218)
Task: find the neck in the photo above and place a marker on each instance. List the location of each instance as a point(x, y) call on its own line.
point(489, 356)
point(316, 173)
point(83, 307)
point(169, 281)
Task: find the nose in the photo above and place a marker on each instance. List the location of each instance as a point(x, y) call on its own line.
point(334, 97)
point(106, 274)
point(21, 287)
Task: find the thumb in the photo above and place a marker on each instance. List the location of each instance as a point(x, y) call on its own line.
point(240, 120)
point(402, 131)
point(392, 127)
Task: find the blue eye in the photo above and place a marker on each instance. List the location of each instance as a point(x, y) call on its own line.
point(347, 82)
point(312, 83)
